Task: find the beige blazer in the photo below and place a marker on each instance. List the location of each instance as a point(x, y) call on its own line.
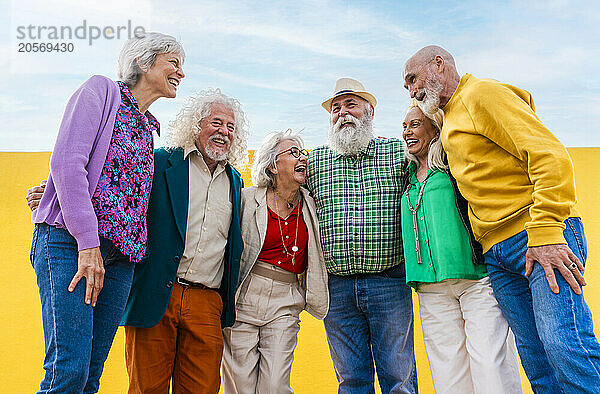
point(254, 218)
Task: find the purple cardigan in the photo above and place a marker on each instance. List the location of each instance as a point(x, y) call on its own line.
point(77, 160)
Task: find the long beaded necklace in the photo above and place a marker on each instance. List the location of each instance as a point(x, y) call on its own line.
point(414, 217)
point(295, 247)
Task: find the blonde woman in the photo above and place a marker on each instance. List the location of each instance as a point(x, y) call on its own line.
point(282, 271)
point(468, 342)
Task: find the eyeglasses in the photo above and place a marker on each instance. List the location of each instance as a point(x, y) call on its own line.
point(294, 151)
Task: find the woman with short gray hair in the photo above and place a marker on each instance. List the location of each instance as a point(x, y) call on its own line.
point(91, 220)
point(140, 53)
point(282, 271)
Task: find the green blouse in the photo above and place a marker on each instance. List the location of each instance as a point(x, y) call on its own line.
point(444, 242)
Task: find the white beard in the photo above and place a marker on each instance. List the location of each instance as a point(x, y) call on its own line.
point(216, 154)
point(432, 88)
point(351, 139)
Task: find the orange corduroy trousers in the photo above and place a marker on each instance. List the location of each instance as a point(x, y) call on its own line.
point(184, 348)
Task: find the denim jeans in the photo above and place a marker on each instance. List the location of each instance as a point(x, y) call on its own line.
point(77, 336)
point(554, 332)
point(370, 320)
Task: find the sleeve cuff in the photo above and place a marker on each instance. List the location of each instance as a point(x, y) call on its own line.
point(87, 240)
point(547, 235)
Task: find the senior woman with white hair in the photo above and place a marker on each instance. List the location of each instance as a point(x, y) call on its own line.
point(91, 219)
point(468, 342)
point(282, 271)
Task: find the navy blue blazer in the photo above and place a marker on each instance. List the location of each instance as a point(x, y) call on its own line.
point(167, 221)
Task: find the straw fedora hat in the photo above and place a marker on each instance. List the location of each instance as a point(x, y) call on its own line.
point(349, 86)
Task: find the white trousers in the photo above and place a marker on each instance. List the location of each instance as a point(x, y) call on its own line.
point(469, 345)
point(259, 348)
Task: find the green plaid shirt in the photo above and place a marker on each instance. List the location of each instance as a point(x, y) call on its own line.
point(358, 206)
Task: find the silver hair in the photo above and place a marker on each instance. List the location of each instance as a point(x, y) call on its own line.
point(186, 125)
point(266, 155)
point(140, 52)
point(436, 158)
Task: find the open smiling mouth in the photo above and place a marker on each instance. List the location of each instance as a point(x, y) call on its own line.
point(411, 141)
point(173, 82)
point(219, 141)
point(300, 168)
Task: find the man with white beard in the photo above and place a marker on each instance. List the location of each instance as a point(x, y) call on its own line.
point(518, 180)
point(356, 183)
point(183, 293)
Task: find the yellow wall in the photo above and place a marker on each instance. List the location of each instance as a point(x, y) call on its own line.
point(21, 341)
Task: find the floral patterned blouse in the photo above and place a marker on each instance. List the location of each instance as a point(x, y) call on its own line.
point(121, 197)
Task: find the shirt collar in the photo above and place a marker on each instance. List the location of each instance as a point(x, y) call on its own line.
point(463, 81)
point(191, 147)
point(293, 214)
point(368, 151)
point(412, 173)
point(130, 101)
point(126, 95)
point(153, 122)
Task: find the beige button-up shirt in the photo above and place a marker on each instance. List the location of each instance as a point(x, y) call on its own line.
point(208, 222)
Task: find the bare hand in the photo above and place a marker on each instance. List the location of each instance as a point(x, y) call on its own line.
point(34, 195)
point(91, 266)
point(559, 257)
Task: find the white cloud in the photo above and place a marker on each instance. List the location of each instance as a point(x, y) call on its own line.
point(326, 28)
point(280, 59)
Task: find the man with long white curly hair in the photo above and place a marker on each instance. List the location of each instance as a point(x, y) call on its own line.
point(356, 183)
point(215, 147)
point(183, 294)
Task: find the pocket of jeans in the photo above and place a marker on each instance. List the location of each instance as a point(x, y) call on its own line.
point(576, 227)
point(33, 244)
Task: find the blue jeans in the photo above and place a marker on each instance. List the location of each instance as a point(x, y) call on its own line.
point(554, 332)
point(77, 336)
point(370, 320)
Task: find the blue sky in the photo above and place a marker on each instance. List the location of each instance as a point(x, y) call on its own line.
point(281, 59)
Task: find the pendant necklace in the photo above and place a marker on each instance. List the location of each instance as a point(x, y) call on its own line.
point(414, 217)
point(295, 247)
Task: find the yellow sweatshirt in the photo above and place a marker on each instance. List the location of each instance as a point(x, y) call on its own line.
point(514, 172)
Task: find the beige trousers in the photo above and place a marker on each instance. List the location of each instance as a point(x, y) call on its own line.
point(259, 348)
point(469, 345)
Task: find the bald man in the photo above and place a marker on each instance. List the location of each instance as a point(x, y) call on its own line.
point(518, 180)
